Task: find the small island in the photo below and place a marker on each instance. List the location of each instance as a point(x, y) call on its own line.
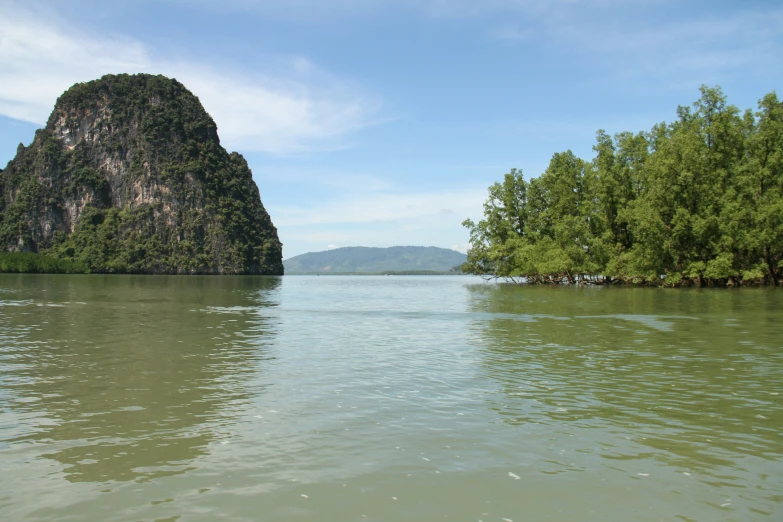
point(129, 176)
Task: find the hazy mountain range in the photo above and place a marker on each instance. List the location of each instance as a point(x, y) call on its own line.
point(375, 260)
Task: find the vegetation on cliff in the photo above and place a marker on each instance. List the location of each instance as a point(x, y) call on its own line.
point(129, 176)
point(29, 263)
point(697, 201)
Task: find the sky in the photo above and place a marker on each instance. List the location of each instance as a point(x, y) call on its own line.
point(383, 122)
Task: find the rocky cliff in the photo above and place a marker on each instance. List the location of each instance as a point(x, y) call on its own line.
point(129, 176)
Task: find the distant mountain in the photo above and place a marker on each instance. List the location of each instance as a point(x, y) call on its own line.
point(373, 260)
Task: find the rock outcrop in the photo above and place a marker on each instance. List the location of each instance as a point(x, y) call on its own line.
point(129, 176)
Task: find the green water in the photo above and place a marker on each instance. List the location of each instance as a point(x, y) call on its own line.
point(386, 398)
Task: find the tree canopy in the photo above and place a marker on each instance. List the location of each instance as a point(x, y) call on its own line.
point(696, 201)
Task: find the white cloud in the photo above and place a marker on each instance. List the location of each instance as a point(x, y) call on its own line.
point(326, 178)
point(294, 109)
point(383, 219)
point(385, 208)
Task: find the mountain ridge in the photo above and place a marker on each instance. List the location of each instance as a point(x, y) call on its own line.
point(375, 260)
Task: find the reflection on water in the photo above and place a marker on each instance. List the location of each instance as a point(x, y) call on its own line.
point(386, 398)
point(691, 379)
point(129, 377)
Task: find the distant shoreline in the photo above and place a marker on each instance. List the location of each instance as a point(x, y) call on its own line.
point(384, 273)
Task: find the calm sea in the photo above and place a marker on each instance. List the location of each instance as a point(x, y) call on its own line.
point(385, 399)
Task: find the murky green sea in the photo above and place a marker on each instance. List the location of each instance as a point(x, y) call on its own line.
point(386, 398)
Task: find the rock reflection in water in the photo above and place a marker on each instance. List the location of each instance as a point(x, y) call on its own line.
point(131, 378)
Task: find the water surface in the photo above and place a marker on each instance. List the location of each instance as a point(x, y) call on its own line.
point(386, 398)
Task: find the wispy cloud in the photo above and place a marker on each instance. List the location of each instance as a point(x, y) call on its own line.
point(298, 107)
point(385, 208)
point(317, 9)
point(370, 208)
point(635, 46)
point(626, 40)
point(511, 33)
point(675, 39)
point(326, 179)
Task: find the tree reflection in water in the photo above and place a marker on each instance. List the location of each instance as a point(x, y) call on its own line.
point(686, 377)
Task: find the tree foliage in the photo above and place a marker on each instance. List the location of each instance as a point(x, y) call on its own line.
point(696, 201)
point(29, 263)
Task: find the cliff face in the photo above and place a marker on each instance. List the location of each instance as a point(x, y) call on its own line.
point(129, 176)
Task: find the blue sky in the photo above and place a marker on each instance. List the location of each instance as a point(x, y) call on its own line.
point(381, 123)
